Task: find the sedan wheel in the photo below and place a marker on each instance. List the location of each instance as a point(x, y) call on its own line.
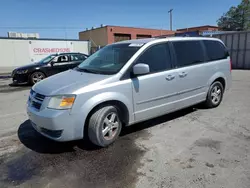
point(37, 77)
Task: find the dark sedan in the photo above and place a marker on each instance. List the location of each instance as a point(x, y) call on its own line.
point(46, 67)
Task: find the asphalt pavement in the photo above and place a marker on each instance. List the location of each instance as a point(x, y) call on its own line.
point(194, 147)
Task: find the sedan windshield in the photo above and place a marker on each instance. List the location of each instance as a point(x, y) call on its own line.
point(110, 59)
point(47, 59)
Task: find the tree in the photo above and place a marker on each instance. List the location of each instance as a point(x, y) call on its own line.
point(237, 18)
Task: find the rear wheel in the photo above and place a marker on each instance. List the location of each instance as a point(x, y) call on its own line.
point(104, 126)
point(36, 77)
point(215, 95)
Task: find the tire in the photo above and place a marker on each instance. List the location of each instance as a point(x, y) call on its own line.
point(215, 95)
point(36, 77)
point(104, 126)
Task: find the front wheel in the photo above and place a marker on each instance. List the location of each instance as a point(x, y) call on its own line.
point(104, 126)
point(215, 95)
point(36, 77)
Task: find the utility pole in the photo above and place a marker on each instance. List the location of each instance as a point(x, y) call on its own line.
point(170, 12)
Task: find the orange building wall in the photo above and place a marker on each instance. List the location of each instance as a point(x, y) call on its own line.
point(111, 30)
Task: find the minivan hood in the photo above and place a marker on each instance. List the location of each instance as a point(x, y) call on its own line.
point(67, 82)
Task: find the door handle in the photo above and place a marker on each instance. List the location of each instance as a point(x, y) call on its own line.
point(182, 74)
point(170, 77)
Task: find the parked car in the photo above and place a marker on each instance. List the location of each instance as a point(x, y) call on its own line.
point(128, 82)
point(46, 67)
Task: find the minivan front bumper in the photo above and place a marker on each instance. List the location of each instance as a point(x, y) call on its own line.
point(57, 125)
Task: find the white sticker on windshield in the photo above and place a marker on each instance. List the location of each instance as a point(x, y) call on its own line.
point(135, 44)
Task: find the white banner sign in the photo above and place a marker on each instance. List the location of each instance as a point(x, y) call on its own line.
point(41, 49)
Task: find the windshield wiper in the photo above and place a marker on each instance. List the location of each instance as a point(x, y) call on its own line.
point(88, 70)
point(93, 71)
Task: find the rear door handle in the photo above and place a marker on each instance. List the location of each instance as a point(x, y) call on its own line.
point(182, 74)
point(170, 77)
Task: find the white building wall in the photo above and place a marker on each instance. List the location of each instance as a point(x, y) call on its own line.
point(18, 52)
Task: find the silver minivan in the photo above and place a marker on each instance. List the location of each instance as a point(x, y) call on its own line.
point(128, 82)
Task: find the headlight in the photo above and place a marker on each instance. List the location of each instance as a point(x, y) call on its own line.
point(21, 71)
point(62, 102)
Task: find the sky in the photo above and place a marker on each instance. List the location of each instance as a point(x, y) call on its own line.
point(65, 18)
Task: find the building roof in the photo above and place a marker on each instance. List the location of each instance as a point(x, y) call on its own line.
point(137, 27)
point(50, 39)
point(211, 26)
point(104, 26)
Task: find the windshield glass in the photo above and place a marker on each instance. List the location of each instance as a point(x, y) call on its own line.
point(110, 59)
point(47, 59)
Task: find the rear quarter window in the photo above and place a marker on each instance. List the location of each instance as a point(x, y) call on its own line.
point(215, 50)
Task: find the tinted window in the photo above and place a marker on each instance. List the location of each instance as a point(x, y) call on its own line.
point(47, 59)
point(215, 50)
point(157, 57)
point(188, 53)
point(61, 59)
point(77, 57)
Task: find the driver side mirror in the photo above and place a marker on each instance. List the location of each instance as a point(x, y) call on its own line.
point(141, 69)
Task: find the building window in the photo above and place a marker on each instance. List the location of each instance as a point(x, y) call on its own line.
point(120, 37)
point(143, 36)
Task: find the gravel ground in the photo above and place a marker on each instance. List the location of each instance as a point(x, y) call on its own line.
point(194, 147)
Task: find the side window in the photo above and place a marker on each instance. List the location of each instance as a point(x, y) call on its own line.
point(73, 58)
point(82, 57)
point(77, 57)
point(62, 59)
point(157, 57)
point(188, 53)
point(215, 50)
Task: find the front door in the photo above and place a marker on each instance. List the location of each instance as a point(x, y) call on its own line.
point(154, 94)
point(60, 64)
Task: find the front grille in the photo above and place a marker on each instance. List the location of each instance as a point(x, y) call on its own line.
point(36, 105)
point(39, 97)
point(36, 99)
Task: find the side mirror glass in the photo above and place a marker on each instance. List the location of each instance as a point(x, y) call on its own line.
point(141, 69)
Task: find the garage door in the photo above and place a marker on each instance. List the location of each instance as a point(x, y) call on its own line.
point(121, 37)
point(143, 36)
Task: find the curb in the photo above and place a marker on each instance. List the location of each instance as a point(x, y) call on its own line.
point(2, 76)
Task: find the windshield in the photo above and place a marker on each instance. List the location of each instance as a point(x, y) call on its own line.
point(110, 59)
point(47, 59)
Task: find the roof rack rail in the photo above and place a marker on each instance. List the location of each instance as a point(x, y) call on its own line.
point(184, 35)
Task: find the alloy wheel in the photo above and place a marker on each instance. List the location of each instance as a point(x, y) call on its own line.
point(110, 126)
point(37, 77)
point(216, 94)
